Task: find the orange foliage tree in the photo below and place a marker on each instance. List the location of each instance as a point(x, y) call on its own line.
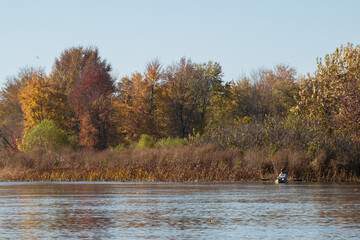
point(136, 103)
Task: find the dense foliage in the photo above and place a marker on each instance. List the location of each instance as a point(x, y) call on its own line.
point(274, 112)
point(46, 136)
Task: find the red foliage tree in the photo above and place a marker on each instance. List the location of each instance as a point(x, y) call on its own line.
point(91, 101)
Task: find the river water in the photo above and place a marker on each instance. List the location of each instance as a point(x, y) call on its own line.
point(179, 211)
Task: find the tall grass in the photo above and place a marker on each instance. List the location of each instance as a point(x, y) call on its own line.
point(188, 163)
point(177, 164)
point(147, 141)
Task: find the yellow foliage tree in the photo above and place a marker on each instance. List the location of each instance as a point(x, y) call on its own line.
point(330, 97)
point(41, 100)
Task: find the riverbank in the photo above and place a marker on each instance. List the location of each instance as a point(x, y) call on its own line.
point(177, 164)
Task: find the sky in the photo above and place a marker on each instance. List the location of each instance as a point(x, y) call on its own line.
point(243, 36)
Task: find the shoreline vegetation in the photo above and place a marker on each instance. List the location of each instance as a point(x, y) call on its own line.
point(188, 163)
point(181, 123)
point(160, 171)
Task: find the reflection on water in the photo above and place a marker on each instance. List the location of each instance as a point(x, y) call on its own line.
point(178, 211)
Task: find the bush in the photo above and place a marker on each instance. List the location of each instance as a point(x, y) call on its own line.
point(46, 136)
point(118, 149)
point(171, 142)
point(145, 141)
point(74, 142)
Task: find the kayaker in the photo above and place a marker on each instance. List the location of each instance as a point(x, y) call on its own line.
point(282, 175)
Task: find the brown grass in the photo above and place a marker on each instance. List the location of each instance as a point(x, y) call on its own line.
point(178, 164)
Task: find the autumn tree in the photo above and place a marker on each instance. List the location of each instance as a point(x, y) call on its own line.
point(135, 103)
point(330, 96)
point(67, 69)
point(210, 85)
point(349, 118)
point(219, 109)
point(11, 114)
point(135, 106)
point(184, 95)
point(152, 77)
point(265, 92)
point(91, 100)
point(234, 104)
point(250, 97)
point(40, 100)
point(279, 90)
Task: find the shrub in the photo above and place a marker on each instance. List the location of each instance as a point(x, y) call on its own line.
point(118, 149)
point(171, 142)
point(46, 136)
point(145, 141)
point(74, 142)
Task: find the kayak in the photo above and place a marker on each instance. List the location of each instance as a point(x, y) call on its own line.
point(280, 180)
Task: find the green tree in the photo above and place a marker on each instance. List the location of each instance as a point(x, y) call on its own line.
point(46, 135)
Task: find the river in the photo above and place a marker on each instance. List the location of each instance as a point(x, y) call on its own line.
point(179, 211)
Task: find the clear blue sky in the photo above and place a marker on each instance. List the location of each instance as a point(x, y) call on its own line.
point(242, 36)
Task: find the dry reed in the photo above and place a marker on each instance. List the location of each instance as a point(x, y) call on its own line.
point(178, 164)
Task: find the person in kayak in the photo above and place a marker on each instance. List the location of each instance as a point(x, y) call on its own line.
point(282, 175)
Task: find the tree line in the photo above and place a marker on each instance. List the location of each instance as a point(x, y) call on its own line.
point(81, 97)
